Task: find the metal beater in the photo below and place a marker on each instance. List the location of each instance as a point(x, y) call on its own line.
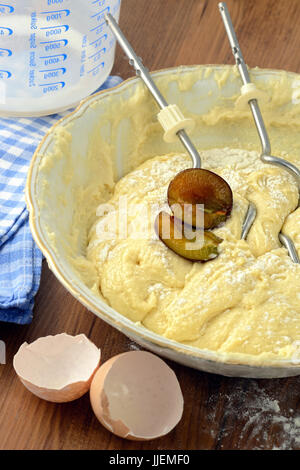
point(175, 125)
point(143, 73)
point(266, 156)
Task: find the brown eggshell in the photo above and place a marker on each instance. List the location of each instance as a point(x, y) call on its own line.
point(57, 368)
point(136, 395)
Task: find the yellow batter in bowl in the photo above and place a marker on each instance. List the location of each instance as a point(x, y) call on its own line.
point(244, 301)
point(238, 314)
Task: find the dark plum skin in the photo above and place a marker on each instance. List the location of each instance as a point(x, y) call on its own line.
point(171, 232)
point(198, 186)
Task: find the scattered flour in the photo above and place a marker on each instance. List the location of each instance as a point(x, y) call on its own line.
point(264, 417)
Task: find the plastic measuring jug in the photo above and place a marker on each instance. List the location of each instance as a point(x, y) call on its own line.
point(53, 53)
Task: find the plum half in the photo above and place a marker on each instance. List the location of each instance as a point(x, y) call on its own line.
point(191, 244)
point(200, 197)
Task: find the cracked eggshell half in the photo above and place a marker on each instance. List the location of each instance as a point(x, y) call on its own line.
point(136, 395)
point(57, 368)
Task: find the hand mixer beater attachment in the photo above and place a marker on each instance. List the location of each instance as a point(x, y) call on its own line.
point(251, 94)
point(201, 190)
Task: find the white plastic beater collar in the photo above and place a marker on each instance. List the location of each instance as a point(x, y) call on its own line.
point(249, 91)
point(172, 120)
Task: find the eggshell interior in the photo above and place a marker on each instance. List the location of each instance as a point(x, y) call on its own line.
point(137, 396)
point(57, 363)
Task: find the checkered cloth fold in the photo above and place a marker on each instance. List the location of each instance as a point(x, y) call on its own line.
point(20, 258)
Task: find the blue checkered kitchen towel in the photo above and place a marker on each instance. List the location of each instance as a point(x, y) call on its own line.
point(20, 258)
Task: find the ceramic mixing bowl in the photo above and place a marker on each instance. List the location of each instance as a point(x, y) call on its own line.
point(120, 125)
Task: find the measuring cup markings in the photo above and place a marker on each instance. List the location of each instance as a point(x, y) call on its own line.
point(53, 59)
point(5, 74)
point(101, 14)
point(100, 3)
point(53, 73)
point(6, 8)
point(5, 31)
point(97, 69)
point(55, 15)
point(98, 42)
point(97, 54)
point(53, 30)
point(99, 28)
point(51, 87)
point(5, 52)
point(53, 45)
point(98, 57)
point(58, 48)
point(63, 84)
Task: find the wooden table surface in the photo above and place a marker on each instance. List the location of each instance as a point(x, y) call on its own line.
point(220, 412)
